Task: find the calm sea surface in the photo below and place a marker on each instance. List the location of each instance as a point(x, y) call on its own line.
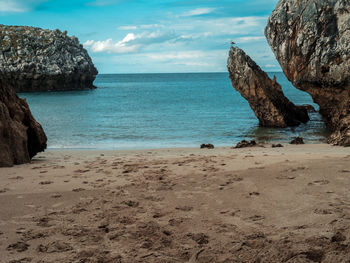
point(136, 111)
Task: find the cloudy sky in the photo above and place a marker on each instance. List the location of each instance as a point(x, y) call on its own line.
point(148, 36)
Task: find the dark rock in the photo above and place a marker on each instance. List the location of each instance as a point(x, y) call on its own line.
point(35, 59)
point(21, 136)
point(277, 145)
point(207, 146)
point(265, 95)
point(311, 41)
point(307, 107)
point(245, 144)
point(297, 140)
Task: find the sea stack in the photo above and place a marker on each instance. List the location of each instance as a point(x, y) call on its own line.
point(311, 41)
point(265, 95)
point(21, 137)
point(36, 59)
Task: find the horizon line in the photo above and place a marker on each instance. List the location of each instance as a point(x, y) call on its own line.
point(208, 72)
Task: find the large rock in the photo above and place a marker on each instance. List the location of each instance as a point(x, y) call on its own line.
point(265, 96)
point(311, 41)
point(44, 60)
point(21, 137)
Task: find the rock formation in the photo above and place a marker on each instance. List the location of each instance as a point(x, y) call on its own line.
point(311, 41)
point(44, 60)
point(265, 96)
point(21, 137)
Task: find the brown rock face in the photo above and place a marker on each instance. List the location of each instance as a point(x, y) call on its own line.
point(21, 137)
point(265, 96)
point(311, 41)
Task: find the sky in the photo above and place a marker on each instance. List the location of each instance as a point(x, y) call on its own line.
point(147, 36)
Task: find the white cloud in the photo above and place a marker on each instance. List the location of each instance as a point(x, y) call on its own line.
point(109, 46)
point(127, 28)
point(102, 2)
point(249, 39)
point(7, 6)
point(130, 43)
point(137, 27)
point(18, 6)
point(194, 44)
point(195, 59)
point(199, 11)
point(176, 55)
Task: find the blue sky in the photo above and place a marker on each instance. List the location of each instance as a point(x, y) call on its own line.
point(146, 36)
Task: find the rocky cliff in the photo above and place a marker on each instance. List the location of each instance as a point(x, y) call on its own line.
point(21, 137)
point(265, 96)
point(311, 41)
point(44, 60)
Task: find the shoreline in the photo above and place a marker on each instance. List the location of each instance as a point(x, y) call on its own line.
point(192, 146)
point(166, 205)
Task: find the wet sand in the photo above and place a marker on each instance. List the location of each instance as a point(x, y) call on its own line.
point(260, 204)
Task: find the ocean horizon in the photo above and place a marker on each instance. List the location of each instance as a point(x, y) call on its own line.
point(161, 110)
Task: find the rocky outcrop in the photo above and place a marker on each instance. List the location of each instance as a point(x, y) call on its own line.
point(21, 137)
point(265, 96)
point(44, 60)
point(311, 41)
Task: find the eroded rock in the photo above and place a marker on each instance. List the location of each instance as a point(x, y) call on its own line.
point(245, 144)
point(265, 95)
point(311, 41)
point(207, 146)
point(297, 140)
point(36, 59)
point(21, 136)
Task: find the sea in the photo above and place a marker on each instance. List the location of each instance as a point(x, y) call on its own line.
point(146, 111)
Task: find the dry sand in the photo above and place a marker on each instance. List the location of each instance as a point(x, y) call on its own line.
point(288, 204)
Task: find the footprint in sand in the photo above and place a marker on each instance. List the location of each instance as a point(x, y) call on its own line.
point(256, 218)
point(78, 189)
point(19, 246)
point(82, 171)
point(322, 211)
point(285, 177)
point(319, 182)
point(16, 178)
point(54, 247)
point(199, 238)
point(46, 182)
point(184, 208)
point(4, 190)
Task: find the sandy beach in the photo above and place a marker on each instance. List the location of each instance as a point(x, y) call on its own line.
point(259, 204)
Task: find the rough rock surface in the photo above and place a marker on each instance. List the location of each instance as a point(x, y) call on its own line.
point(21, 137)
point(311, 41)
point(44, 60)
point(265, 96)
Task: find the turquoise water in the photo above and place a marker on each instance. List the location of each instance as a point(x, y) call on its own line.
point(137, 111)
